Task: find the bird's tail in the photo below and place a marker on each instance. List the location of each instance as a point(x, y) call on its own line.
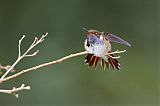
point(92, 60)
point(113, 62)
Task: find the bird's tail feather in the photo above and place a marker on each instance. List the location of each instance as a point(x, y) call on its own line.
point(113, 62)
point(92, 60)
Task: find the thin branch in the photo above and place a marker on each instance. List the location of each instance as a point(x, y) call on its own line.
point(117, 51)
point(35, 40)
point(115, 57)
point(15, 90)
point(19, 45)
point(21, 56)
point(42, 65)
point(6, 68)
point(33, 54)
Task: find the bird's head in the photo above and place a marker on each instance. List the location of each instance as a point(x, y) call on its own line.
point(93, 37)
point(93, 32)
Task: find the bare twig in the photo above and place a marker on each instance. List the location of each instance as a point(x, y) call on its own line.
point(42, 65)
point(25, 54)
point(33, 54)
point(15, 90)
point(6, 68)
point(19, 45)
point(116, 52)
point(114, 57)
point(49, 63)
point(21, 56)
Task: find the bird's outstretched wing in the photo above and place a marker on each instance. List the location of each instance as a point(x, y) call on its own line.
point(114, 38)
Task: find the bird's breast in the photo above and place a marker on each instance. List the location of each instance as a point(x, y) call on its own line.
point(99, 48)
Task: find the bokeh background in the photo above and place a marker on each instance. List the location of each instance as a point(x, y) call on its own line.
point(71, 82)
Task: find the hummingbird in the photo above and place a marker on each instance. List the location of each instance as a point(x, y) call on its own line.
point(98, 46)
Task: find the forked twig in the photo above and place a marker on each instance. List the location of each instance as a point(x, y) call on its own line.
point(6, 68)
point(116, 52)
point(21, 56)
point(42, 65)
point(15, 90)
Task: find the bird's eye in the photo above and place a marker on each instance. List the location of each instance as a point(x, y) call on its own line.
point(88, 44)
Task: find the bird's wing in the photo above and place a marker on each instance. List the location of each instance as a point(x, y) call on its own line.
point(114, 38)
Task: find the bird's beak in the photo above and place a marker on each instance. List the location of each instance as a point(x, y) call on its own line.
point(85, 29)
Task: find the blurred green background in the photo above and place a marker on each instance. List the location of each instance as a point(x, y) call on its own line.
point(71, 82)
